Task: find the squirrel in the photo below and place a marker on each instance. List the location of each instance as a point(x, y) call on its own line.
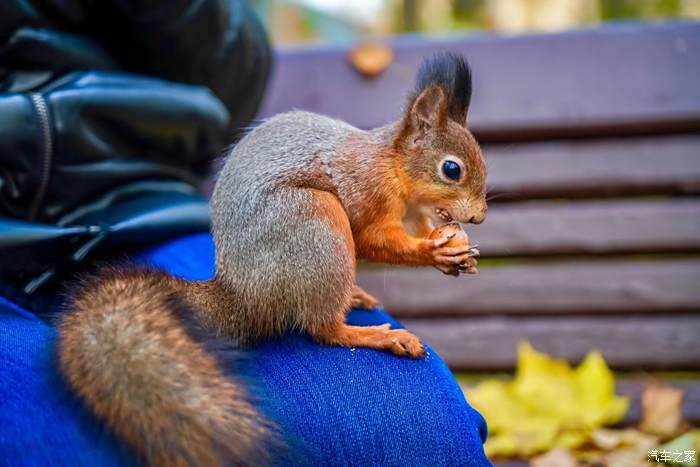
point(299, 200)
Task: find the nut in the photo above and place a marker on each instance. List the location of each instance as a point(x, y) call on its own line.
point(451, 228)
point(458, 238)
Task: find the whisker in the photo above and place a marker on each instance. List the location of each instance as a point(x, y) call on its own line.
point(502, 194)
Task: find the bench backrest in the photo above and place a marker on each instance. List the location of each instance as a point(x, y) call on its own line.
point(593, 145)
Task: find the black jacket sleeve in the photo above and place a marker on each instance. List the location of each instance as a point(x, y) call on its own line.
point(110, 114)
point(219, 44)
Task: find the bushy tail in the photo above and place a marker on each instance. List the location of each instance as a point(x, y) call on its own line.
point(129, 350)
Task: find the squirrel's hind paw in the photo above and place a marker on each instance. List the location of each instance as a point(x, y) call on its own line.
point(361, 299)
point(406, 344)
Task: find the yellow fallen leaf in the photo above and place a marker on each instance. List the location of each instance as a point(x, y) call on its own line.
point(548, 404)
point(571, 439)
point(596, 391)
point(524, 437)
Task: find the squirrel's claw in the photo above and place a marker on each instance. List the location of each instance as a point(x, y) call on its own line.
point(468, 266)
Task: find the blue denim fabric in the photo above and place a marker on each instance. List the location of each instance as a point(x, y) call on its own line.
point(335, 406)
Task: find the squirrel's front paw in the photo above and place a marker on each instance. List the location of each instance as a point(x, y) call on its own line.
point(450, 260)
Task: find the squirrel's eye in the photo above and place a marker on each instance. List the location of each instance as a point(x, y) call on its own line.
point(452, 170)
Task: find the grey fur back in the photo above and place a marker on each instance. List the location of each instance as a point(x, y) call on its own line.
point(290, 149)
point(278, 259)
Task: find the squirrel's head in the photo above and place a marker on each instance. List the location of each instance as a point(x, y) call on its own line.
point(442, 159)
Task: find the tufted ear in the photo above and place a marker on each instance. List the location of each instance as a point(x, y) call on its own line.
point(428, 110)
point(450, 72)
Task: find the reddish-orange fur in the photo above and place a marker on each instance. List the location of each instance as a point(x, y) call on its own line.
point(380, 233)
point(398, 341)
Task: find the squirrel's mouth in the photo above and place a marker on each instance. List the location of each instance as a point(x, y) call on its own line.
point(444, 215)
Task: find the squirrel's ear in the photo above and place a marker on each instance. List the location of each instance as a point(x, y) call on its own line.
point(450, 72)
point(428, 110)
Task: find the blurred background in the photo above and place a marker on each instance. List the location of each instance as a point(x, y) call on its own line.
point(297, 22)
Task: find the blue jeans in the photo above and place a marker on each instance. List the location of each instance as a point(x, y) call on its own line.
point(335, 406)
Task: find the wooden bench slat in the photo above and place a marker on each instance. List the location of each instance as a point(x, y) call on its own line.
point(553, 287)
point(595, 168)
point(632, 79)
point(602, 227)
point(627, 342)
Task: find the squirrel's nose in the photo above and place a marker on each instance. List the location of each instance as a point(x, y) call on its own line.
point(478, 218)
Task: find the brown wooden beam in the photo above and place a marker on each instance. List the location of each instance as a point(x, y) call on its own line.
point(634, 342)
point(595, 168)
point(589, 228)
point(555, 287)
point(628, 79)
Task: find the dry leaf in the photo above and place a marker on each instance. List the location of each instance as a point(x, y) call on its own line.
point(662, 411)
point(371, 59)
point(627, 448)
point(554, 458)
point(607, 440)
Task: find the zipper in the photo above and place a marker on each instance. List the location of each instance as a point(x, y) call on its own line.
point(41, 109)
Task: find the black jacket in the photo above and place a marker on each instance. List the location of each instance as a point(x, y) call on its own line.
point(110, 114)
